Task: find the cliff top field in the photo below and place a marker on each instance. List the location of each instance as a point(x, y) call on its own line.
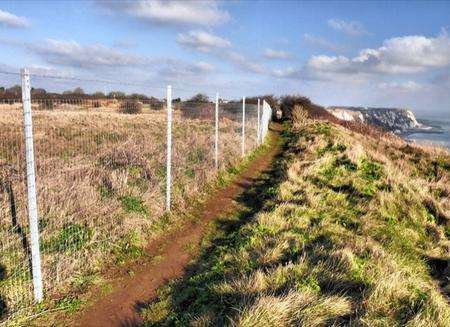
point(350, 229)
point(100, 178)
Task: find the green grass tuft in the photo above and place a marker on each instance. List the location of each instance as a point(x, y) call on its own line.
point(133, 204)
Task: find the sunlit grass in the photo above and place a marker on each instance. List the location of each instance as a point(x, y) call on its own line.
point(347, 236)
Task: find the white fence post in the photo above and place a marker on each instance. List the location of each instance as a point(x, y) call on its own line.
point(216, 136)
point(265, 119)
point(258, 130)
point(243, 128)
point(31, 186)
point(169, 148)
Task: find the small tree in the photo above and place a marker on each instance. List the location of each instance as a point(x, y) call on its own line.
point(78, 91)
point(137, 96)
point(200, 97)
point(288, 102)
point(15, 91)
point(38, 91)
point(269, 98)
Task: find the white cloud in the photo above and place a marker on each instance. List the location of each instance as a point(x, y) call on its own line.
point(320, 42)
point(46, 70)
point(174, 71)
point(277, 54)
point(219, 47)
point(73, 54)
point(205, 13)
point(350, 28)
point(202, 41)
point(289, 72)
point(400, 55)
point(416, 51)
point(243, 62)
point(403, 87)
point(203, 67)
point(11, 20)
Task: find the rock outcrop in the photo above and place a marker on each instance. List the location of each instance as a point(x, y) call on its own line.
point(392, 119)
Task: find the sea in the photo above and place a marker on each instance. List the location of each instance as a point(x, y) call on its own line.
point(441, 131)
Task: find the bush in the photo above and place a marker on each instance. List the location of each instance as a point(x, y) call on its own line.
point(288, 103)
point(201, 98)
point(130, 107)
point(269, 98)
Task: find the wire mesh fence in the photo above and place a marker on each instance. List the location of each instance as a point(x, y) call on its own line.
point(101, 179)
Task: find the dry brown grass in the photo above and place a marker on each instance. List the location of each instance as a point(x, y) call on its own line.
point(101, 188)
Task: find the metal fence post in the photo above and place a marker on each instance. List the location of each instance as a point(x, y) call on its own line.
point(265, 122)
point(169, 148)
point(258, 130)
point(216, 136)
point(31, 186)
point(243, 128)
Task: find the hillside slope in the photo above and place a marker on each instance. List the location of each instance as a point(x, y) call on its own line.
point(355, 231)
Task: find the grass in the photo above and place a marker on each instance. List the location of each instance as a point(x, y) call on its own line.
point(101, 192)
point(134, 204)
point(342, 231)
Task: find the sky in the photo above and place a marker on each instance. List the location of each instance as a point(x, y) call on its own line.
point(394, 54)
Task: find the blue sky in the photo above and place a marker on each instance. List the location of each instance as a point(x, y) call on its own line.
point(337, 53)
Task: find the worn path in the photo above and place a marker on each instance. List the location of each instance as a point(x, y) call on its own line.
point(121, 306)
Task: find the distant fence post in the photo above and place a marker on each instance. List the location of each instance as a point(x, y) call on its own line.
point(243, 128)
point(31, 186)
point(169, 148)
point(265, 119)
point(258, 130)
point(216, 136)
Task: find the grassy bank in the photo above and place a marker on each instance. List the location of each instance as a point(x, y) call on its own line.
point(347, 229)
point(101, 188)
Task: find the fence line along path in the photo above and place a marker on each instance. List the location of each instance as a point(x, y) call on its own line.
point(86, 178)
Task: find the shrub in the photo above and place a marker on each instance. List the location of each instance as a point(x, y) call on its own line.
point(201, 98)
point(269, 98)
point(288, 103)
point(130, 107)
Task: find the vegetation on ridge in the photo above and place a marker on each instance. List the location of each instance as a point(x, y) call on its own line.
point(350, 230)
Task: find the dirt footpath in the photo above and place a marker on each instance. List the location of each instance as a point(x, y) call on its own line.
point(130, 292)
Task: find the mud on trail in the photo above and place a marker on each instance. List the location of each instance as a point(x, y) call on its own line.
point(168, 257)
